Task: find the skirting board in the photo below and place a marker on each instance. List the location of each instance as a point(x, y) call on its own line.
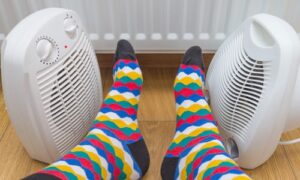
point(156, 60)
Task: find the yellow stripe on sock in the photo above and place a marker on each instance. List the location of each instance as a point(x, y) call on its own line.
point(118, 98)
point(193, 108)
point(68, 169)
point(119, 152)
point(187, 80)
point(194, 133)
point(93, 157)
point(132, 75)
point(118, 122)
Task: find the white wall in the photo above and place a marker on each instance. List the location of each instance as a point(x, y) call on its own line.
point(155, 25)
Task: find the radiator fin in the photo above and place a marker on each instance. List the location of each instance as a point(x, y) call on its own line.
point(155, 25)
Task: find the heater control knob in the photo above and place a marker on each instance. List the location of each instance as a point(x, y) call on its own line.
point(70, 27)
point(44, 49)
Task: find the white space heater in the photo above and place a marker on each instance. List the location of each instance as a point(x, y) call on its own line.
point(252, 87)
point(51, 82)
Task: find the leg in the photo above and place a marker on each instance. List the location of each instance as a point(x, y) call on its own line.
point(114, 148)
point(197, 151)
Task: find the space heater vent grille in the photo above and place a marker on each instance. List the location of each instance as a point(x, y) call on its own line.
point(240, 87)
point(71, 81)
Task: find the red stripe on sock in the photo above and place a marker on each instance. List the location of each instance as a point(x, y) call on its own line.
point(179, 149)
point(117, 107)
point(119, 133)
point(192, 119)
point(125, 61)
point(111, 158)
point(187, 92)
point(199, 160)
point(195, 67)
point(130, 85)
point(223, 170)
point(55, 173)
point(84, 163)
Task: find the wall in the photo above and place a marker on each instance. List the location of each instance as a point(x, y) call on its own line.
point(155, 25)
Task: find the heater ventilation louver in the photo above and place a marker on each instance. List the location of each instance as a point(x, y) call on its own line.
point(252, 90)
point(66, 90)
point(241, 88)
point(52, 88)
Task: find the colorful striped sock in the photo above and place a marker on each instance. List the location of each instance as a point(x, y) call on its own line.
point(114, 147)
point(197, 151)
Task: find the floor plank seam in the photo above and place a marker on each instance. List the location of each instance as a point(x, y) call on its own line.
point(289, 161)
point(5, 130)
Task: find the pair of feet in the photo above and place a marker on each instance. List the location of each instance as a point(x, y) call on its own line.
point(114, 147)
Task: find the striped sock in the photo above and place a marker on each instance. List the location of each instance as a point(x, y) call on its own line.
point(114, 147)
point(197, 151)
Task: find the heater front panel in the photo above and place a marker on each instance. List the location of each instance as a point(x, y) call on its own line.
point(237, 84)
point(70, 95)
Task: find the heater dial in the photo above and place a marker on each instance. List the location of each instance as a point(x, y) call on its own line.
point(70, 27)
point(44, 48)
point(47, 50)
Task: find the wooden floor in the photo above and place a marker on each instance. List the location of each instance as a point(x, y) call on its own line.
point(156, 117)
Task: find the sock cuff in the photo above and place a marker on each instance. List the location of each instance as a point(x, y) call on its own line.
point(125, 61)
point(127, 67)
point(190, 68)
point(121, 63)
point(187, 74)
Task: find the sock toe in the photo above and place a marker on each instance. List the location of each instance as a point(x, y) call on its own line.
point(141, 155)
point(193, 56)
point(41, 176)
point(168, 168)
point(124, 51)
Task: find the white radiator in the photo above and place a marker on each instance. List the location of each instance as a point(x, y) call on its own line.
point(155, 25)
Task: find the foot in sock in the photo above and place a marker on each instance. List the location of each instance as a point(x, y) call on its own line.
point(197, 151)
point(114, 147)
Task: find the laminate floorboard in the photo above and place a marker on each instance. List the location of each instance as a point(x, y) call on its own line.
point(157, 122)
